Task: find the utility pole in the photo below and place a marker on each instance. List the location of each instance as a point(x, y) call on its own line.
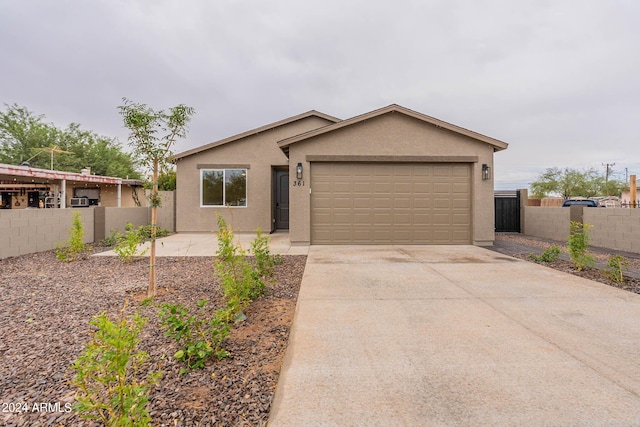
point(609, 166)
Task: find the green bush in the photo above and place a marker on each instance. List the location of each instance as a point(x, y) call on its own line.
point(549, 255)
point(112, 239)
point(145, 232)
point(578, 244)
point(74, 248)
point(199, 338)
point(108, 374)
point(615, 265)
point(127, 245)
point(235, 273)
point(265, 261)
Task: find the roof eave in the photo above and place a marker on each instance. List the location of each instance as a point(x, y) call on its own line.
point(312, 113)
point(497, 144)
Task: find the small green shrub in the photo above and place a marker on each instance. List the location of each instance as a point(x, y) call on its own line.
point(235, 273)
point(127, 245)
point(578, 244)
point(614, 271)
point(145, 232)
point(549, 255)
point(74, 248)
point(198, 337)
point(265, 261)
point(112, 239)
point(109, 374)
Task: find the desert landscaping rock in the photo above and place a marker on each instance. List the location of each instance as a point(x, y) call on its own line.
point(44, 327)
point(521, 247)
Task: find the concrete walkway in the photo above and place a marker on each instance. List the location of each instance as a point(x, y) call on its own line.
point(206, 244)
point(456, 335)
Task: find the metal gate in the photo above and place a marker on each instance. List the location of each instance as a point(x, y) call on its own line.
point(507, 211)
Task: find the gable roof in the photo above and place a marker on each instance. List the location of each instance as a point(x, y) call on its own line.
point(393, 108)
point(312, 113)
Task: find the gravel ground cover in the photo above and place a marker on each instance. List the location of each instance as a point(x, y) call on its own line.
point(46, 307)
point(521, 246)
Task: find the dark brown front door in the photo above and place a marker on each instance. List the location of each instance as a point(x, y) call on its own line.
point(281, 213)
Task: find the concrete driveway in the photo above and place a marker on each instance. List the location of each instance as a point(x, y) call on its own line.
point(456, 335)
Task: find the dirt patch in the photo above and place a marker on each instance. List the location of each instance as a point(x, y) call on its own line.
point(44, 326)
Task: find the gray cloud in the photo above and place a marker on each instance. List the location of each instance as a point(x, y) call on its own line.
point(557, 80)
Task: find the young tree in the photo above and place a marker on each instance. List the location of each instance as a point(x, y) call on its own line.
point(152, 134)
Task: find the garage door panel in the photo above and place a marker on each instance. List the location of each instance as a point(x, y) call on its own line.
point(461, 219)
point(342, 202)
point(402, 219)
point(442, 171)
point(461, 171)
point(443, 188)
point(402, 203)
point(363, 203)
point(382, 203)
point(423, 188)
point(423, 203)
point(460, 188)
point(422, 220)
point(442, 203)
point(323, 203)
point(362, 187)
point(382, 218)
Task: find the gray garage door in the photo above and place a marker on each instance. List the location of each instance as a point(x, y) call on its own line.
point(380, 203)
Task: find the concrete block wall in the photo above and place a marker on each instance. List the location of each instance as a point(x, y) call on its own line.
point(117, 218)
point(615, 228)
point(27, 231)
point(167, 212)
point(546, 222)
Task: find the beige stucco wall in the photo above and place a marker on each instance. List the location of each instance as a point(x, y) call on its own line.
point(393, 134)
point(616, 228)
point(547, 222)
point(109, 196)
point(260, 153)
point(117, 218)
point(27, 231)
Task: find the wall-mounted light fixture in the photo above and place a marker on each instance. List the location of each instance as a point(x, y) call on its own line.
point(299, 171)
point(486, 172)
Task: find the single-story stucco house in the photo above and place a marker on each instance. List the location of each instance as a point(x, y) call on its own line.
point(390, 176)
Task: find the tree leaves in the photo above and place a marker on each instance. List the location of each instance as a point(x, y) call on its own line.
point(569, 182)
point(22, 133)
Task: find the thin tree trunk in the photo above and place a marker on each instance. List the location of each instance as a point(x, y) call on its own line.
point(151, 292)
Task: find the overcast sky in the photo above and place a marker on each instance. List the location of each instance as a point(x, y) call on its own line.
point(557, 80)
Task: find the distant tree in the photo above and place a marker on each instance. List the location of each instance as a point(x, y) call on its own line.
point(25, 136)
point(21, 132)
point(167, 180)
point(154, 152)
point(569, 182)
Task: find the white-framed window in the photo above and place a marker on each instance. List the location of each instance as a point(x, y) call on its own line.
point(223, 187)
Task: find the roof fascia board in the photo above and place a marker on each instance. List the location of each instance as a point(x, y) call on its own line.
point(312, 113)
point(497, 144)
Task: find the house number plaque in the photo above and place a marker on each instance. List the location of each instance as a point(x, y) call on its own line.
point(298, 183)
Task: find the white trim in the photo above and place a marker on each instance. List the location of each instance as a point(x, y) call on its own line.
point(224, 190)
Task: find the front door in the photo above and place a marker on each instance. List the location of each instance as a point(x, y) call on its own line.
point(281, 198)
